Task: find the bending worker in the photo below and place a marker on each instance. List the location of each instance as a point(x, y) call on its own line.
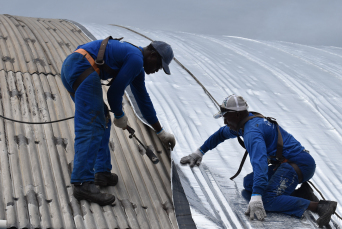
point(82, 71)
point(271, 185)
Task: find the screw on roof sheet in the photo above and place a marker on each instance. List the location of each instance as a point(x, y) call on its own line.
point(40, 61)
point(168, 207)
point(21, 139)
point(8, 59)
point(10, 204)
point(29, 39)
point(60, 141)
point(14, 93)
point(49, 95)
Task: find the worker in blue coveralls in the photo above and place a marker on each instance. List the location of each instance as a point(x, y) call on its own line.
point(271, 187)
point(128, 64)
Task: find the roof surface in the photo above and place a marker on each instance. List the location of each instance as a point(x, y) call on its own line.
point(36, 160)
point(299, 85)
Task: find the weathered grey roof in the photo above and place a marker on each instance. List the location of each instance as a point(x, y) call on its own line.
point(36, 160)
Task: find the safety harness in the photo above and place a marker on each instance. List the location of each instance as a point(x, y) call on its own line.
point(97, 65)
point(279, 154)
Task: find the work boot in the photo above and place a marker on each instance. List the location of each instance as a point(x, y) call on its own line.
point(305, 192)
point(325, 209)
point(90, 192)
point(106, 179)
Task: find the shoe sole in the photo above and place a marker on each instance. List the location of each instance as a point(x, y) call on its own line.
point(322, 221)
point(110, 201)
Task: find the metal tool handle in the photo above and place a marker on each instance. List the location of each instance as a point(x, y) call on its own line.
point(149, 152)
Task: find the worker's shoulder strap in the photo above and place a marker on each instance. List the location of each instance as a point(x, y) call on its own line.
point(242, 123)
point(279, 153)
point(100, 58)
point(100, 55)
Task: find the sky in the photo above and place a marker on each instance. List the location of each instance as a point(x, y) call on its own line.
point(311, 22)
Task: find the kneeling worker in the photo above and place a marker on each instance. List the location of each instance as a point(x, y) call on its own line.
point(81, 74)
point(271, 185)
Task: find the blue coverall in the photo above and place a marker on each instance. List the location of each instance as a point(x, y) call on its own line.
point(260, 138)
point(92, 131)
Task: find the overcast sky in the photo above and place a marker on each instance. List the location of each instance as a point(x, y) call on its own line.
point(312, 22)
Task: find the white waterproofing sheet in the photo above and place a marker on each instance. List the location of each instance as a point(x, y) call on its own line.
point(298, 85)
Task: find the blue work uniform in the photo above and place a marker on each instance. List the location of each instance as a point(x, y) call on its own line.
point(260, 138)
point(92, 128)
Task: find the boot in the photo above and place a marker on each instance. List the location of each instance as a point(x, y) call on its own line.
point(90, 192)
point(305, 192)
point(106, 179)
point(325, 209)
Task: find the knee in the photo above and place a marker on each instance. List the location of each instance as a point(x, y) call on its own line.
point(248, 182)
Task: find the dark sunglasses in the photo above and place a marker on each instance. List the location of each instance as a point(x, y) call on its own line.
point(225, 111)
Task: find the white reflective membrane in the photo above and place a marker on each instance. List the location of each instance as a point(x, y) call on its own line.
point(298, 85)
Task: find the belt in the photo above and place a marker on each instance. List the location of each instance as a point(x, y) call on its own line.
point(297, 169)
point(294, 166)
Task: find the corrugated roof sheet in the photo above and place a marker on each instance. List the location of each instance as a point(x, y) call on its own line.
point(36, 160)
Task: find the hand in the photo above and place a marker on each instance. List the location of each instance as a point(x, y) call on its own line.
point(121, 122)
point(256, 207)
point(193, 159)
point(167, 139)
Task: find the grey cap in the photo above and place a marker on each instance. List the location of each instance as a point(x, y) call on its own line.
point(165, 51)
point(232, 103)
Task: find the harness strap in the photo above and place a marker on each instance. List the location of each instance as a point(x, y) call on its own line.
point(90, 59)
point(298, 171)
point(82, 77)
point(279, 153)
point(241, 165)
point(102, 50)
point(256, 115)
point(87, 72)
point(98, 64)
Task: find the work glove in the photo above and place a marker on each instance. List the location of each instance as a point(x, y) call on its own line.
point(121, 122)
point(256, 207)
point(193, 159)
point(167, 139)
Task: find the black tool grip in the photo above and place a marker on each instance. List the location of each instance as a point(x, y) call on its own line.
point(152, 156)
point(130, 129)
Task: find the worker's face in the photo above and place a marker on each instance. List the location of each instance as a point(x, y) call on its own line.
point(231, 119)
point(153, 63)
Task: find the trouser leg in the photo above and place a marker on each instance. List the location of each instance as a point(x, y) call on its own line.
point(276, 196)
point(89, 128)
point(103, 161)
point(248, 179)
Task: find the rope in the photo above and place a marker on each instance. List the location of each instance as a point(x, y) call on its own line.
point(179, 63)
point(323, 197)
point(13, 120)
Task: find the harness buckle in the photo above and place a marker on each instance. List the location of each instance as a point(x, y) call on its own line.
point(101, 63)
point(272, 120)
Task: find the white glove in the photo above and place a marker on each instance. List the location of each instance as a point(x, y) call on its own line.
point(167, 139)
point(256, 207)
point(121, 122)
point(193, 159)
